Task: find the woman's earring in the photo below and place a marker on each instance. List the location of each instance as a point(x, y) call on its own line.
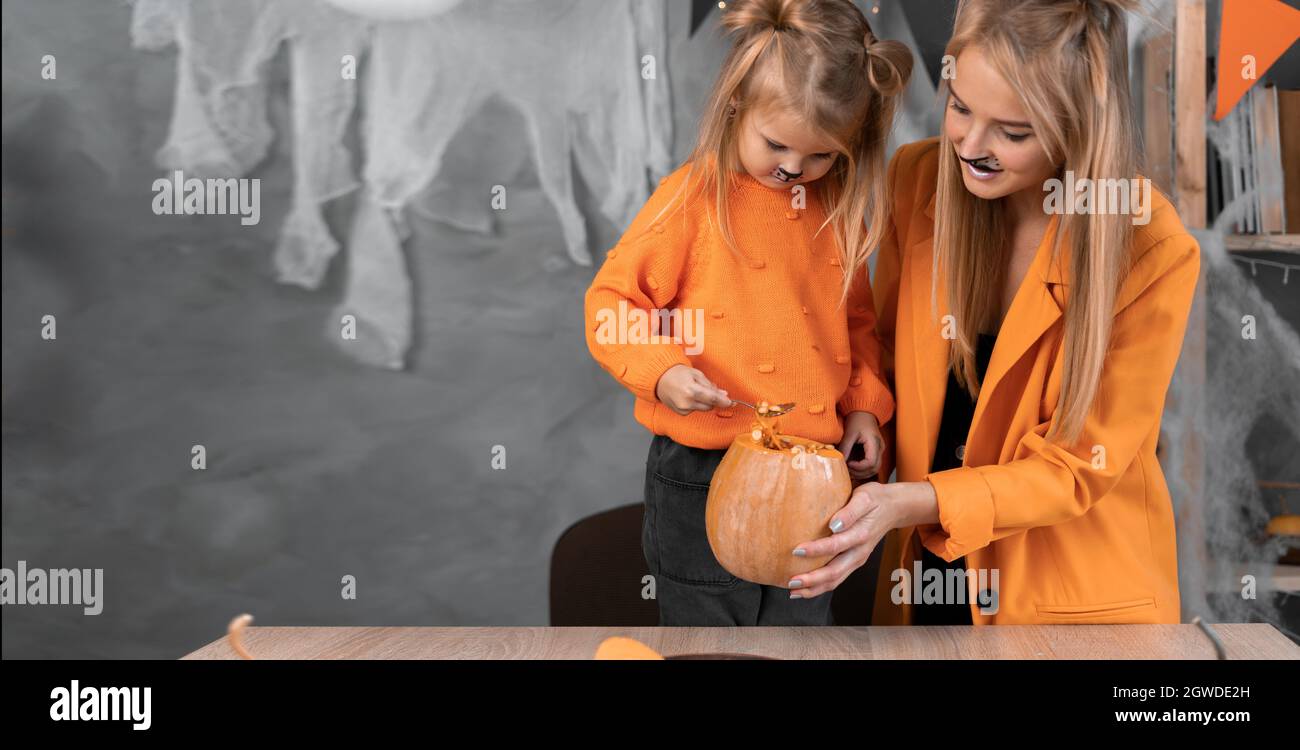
point(731, 111)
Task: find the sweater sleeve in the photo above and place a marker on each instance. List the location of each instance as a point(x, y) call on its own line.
point(641, 274)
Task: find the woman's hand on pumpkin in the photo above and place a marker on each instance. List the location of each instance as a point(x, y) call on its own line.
point(872, 511)
point(685, 389)
point(862, 427)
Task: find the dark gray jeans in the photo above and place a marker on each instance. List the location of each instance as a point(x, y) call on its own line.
point(691, 587)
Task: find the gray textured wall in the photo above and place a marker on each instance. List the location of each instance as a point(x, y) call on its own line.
point(172, 332)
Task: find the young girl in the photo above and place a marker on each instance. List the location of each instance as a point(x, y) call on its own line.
point(744, 275)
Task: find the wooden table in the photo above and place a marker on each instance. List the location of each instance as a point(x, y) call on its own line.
point(1241, 640)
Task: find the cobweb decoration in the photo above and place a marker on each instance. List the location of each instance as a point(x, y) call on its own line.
point(1218, 395)
point(1245, 380)
point(572, 69)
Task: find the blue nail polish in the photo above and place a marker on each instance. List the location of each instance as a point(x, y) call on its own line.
point(800, 552)
point(837, 525)
point(795, 595)
point(795, 583)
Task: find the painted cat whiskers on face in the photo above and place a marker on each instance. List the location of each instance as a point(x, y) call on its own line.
point(784, 175)
point(987, 163)
point(983, 167)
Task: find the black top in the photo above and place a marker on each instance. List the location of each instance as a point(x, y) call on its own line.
point(958, 410)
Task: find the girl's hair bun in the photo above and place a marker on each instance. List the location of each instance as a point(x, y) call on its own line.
point(756, 16)
point(889, 65)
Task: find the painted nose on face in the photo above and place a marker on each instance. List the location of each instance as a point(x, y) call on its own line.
point(972, 150)
point(787, 174)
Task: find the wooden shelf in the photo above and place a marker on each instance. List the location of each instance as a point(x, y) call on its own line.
point(1241, 243)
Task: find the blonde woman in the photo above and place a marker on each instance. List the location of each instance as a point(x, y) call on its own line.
point(1030, 334)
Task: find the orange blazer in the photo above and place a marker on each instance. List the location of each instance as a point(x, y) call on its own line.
point(1076, 534)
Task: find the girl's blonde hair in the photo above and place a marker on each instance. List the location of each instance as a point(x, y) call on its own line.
point(1068, 61)
point(819, 61)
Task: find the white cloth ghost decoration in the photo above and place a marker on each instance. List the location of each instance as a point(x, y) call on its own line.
point(572, 68)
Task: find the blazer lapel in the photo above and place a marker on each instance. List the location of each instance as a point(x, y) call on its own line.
point(930, 346)
point(1038, 304)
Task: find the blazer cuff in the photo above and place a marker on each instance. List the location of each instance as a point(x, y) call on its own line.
point(965, 513)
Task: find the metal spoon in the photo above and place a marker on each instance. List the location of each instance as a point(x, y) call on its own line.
point(773, 410)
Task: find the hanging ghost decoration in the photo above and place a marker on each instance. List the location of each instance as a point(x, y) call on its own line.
point(586, 108)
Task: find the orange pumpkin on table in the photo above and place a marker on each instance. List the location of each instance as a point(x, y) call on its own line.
point(770, 493)
point(618, 648)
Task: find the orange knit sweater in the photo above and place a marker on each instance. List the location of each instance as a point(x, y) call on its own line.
point(765, 328)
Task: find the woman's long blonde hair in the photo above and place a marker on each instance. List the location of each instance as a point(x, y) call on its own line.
point(1068, 60)
point(820, 61)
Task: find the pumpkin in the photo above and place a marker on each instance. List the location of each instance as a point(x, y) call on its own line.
point(1284, 526)
point(620, 648)
point(770, 493)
